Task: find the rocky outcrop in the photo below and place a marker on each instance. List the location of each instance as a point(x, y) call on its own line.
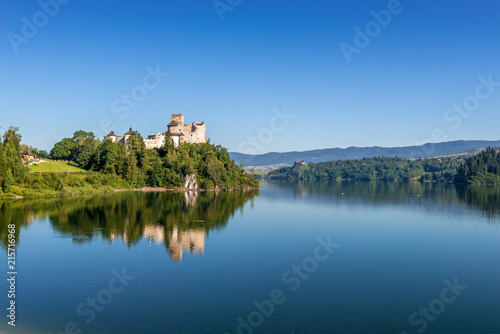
point(190, 182)
point(299, 162)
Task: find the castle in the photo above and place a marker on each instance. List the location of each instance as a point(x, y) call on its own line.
point(180, 133)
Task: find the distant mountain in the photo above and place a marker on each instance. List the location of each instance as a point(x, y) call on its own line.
point(330, 154)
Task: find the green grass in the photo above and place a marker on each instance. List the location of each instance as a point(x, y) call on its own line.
point(57, 184)
point(55, 166)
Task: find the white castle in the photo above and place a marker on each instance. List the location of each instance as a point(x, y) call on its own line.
point(180, 133)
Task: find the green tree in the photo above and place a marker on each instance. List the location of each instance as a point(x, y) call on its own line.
point(108, 160)
point(12, 169)
point(77, 135)
point(155, 174)
point(63, 149)
point(8, 181)
point(86, 153)
point(132, 174)
point(11, 136)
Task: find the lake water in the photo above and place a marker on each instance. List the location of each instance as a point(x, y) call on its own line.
point(292, 258)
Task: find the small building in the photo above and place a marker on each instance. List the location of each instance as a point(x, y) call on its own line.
point(28, 156)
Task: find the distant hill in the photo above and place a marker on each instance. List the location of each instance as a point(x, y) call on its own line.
point(330, 154)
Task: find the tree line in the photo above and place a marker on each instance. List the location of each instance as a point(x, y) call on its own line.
point(483, 168)
point(129, 163)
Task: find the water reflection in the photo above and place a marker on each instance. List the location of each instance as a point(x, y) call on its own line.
point(482, 198)
point(191, 240)
point(182, 221)
point(179, 221)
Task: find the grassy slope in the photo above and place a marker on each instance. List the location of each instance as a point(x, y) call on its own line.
point(259, 172)
point(55, 166)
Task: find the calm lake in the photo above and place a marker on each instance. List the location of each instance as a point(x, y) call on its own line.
point(297, 258)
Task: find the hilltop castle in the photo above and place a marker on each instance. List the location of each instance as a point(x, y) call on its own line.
point(186, 133)
point(180, 133)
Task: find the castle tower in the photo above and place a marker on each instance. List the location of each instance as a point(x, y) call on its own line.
point(129, 133)
point(178, 118)
point(112, 136)
point(186, 133)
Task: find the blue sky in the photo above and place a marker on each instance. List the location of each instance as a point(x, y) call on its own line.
point(263, 58)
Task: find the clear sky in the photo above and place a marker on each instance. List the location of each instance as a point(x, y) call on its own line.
point(344, 77)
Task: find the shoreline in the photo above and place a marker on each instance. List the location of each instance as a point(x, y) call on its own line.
point(181, 190)
point(12, 196)
point(160, 189)
point(368, 181)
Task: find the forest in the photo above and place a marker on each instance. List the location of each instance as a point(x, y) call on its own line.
point(483, 168)
point(105, 164)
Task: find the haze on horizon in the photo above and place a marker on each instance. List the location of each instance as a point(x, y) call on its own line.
point(348, 73)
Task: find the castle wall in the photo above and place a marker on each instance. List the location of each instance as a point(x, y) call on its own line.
point(176, 140)
point(154, 141)
point(195, 132)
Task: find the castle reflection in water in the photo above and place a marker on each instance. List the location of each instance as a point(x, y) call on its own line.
point(192, 241)
point(180, 221)
point(179, 240)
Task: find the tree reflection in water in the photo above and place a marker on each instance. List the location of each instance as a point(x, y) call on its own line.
point(180, 221)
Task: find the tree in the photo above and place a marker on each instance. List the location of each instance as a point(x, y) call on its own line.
point(8, 181)
point(136, 146)
point(71, 148)
point(12, 169)
point(42, 154)
point(77, 135)
point(108, 160)
point(121, 160)
point(155, 174)
point(215, 170)
point(63, 149)
point(11, 136)
point(86, 153)
point(132, 174)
